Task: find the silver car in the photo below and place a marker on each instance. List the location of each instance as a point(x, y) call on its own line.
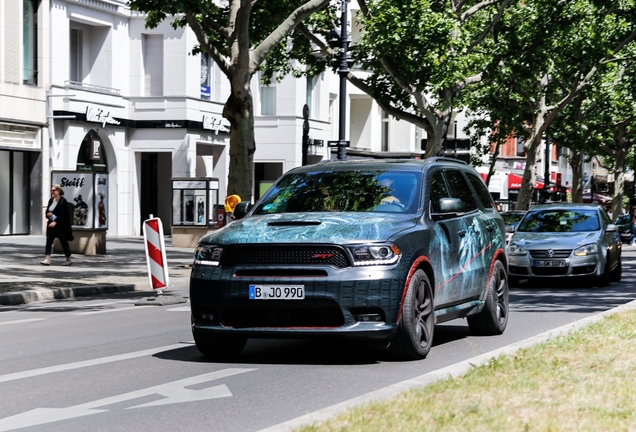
point(565, 240)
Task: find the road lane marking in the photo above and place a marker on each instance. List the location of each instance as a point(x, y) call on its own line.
point(88, 363)
point(22, 321)
point(106, 311)
point(180, 309)
point(173, 392)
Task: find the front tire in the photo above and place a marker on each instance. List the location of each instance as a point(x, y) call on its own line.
point(617, 273)
point(414, 338)
point(493, 319)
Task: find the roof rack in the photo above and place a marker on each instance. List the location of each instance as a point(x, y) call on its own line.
point(446, 159)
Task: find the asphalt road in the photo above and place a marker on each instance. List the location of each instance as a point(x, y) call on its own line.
point(104, 364)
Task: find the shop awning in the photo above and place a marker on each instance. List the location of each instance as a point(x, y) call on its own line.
point(514, 182)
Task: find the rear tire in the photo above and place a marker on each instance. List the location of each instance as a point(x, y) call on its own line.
point(493, 319)
point(414, 338)
point(219, 346)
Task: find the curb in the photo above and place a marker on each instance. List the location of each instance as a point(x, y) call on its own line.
point(452, 371)
point(28, 296)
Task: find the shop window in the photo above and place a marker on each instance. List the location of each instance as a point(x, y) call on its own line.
point(29, 42)
point(92, 155)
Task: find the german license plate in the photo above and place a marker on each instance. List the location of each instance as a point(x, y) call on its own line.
point(277, 292)
point(550, 263)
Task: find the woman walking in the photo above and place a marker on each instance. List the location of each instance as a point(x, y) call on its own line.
point(58, 225)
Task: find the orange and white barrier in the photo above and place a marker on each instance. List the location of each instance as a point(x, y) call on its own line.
point(156, 254)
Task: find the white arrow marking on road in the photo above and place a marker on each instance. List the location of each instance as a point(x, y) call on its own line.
point(174, 392)
point(179, 309)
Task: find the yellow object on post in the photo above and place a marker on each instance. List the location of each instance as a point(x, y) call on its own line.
point(231, 202)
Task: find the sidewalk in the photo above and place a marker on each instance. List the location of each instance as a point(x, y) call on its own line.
point(123, 268)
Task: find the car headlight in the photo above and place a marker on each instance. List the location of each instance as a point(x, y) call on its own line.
point(586, 250)
point(514, 249)
point(366, 255)
point(208, 255)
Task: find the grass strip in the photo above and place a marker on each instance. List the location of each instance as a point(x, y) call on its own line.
point(582, 381)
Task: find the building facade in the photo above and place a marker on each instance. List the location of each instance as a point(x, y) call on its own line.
point(24, 80)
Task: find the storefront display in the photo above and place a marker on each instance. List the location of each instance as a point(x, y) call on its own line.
point(195, 202)
point(88, 193)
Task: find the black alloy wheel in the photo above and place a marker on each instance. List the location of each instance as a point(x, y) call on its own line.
point(493, 319)
point(414, 338)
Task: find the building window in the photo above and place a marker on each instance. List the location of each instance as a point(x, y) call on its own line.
point(521, 150)
point(29, 42)
point(153, 65)
point(75, 66)
point(206, 79)
point(268, 97)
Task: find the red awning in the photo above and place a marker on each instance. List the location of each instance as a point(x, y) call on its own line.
point(514, 182)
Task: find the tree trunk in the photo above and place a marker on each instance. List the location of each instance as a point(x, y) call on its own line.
point(576, 162)
point(239, 110)
point(434, 143)
point(619, 172)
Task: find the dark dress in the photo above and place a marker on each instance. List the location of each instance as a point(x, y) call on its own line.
point(62, 229)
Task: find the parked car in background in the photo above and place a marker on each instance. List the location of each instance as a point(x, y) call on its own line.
point(565, 240)
point(511, 220)
point(374, 251)
point(624, 224)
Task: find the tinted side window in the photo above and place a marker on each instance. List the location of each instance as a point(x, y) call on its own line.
point(459, 189)
point(439, 190)
point(482, 191)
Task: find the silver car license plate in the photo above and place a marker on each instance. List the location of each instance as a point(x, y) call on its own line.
point(277, 292)
point(549, 263)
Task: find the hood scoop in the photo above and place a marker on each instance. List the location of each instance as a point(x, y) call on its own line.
point(294, 223)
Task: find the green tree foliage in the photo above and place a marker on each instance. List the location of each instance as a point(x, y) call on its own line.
point(416, 56)
point(548, 53)
point(238, 35)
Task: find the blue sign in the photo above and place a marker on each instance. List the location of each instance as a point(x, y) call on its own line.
point(205, 92)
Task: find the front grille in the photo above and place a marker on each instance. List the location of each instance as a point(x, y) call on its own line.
point(543, 253)
point(282, 313)
point(550, 271)
point(283, 255)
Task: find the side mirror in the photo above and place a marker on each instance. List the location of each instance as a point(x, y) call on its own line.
point(611, 228)
point(448, 208)
point(241, 209)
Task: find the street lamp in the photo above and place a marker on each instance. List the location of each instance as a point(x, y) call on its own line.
point(343, 71)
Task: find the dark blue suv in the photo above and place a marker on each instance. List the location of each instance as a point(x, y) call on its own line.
point(378, 251)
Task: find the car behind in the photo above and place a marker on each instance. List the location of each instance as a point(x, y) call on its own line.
point(565, 241)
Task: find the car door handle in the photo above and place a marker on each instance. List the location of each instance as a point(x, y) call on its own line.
point(461, 232)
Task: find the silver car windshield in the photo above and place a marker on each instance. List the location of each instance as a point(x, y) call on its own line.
point(344, 191)
point(560, 221)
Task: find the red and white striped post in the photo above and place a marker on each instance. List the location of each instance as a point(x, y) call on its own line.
point(156, 254)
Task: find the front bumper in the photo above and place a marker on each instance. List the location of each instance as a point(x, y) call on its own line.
point(523, 267)
point(354, 303)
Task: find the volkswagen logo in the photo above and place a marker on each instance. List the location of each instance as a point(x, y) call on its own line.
point(550, 253)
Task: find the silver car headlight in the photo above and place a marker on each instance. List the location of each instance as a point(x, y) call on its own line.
point(514, 249)
point(208, 255)
point(383, 254)
point(590, 249)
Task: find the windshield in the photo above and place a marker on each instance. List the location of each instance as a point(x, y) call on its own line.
point(560, 221)
point(512, 218)
point(344, 191)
